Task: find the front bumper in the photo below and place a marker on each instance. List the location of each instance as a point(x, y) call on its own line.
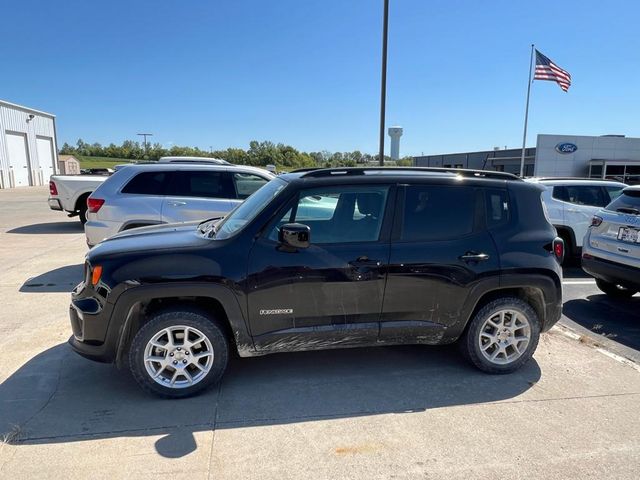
point(89, 315)
point(612, 272)
point(54, 204)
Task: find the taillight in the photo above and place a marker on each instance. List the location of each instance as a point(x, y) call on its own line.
point(53, 190)
point(94, 204)
point(558, 249)
point(596, 221)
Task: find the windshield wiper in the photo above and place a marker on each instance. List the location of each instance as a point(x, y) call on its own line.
point(631, 210)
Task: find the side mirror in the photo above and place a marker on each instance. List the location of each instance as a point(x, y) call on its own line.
point(295, 235)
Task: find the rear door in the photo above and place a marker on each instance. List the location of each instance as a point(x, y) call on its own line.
point(197, 195)
point(441, 251)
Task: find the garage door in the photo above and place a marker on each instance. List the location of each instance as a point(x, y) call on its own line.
point(45, 156)
point(18, 158)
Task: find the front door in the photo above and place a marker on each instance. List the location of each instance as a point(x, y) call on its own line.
point(329, 294)
point(441, 250)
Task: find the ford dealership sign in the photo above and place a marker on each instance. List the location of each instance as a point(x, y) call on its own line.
point(566, 147)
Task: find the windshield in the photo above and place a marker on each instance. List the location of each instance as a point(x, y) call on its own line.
point(249, 209)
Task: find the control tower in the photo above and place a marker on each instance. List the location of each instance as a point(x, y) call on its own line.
point(395, 133)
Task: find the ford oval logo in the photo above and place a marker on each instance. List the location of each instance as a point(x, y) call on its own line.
point(566, 148)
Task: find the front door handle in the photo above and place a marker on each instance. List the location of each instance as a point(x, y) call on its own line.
point(474, 257)
point(174, 203)
point(364, 261)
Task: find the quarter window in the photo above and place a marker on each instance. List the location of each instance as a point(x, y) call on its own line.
point(147, 183)
point(434, 212)
point(497, 207)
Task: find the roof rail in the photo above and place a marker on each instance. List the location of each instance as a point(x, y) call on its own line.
point(544, 179)
point(328, 172)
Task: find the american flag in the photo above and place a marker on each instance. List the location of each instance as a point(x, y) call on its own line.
point(547, 70)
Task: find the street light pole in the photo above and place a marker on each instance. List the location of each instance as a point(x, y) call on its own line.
point(383, 82)
point(145, 135)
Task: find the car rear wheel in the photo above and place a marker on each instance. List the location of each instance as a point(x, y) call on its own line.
point(615, 290)
point(502, 335)
point(178, 353)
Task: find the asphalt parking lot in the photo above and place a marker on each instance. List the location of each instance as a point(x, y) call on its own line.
point(400, 412)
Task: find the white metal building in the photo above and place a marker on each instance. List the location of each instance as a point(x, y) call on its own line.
point(28, 148)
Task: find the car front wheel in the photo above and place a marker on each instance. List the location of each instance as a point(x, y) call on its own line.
point(178, 353)
point(502, 336)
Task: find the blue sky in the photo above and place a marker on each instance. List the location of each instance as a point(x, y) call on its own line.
point(307, 72)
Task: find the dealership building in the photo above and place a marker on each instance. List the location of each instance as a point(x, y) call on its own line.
point(28, 150)
point(607, 156)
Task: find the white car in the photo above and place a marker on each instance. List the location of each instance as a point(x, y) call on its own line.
point(70, 193)
point(571, 203)
point(611, 251)
point(152, 194)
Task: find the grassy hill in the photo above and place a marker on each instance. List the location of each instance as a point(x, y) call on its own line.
point(100, 162)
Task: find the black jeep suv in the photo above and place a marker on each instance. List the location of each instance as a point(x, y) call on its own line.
point(327, 258)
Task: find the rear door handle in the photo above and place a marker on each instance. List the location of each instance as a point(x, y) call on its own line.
point(474, 257)
point(174, 203)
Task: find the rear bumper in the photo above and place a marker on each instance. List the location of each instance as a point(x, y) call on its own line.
point(98, 230)
point(54, 204)
point(612, 272)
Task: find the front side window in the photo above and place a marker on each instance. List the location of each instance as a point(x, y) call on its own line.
point(199, 183)
point(147, 183)
point(247, 183)
point(338, 214)
point(433, 212)
point(614, 192)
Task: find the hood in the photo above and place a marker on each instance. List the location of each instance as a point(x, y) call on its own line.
point(171, 236)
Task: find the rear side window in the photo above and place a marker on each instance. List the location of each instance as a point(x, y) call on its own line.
point(202, 184)
point(614, 192)
point(147, 183)
point(591, 195)
point(497, 207)
point(628, 202)
point(433, 212)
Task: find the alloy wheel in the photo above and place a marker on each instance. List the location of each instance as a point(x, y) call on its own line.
point(504, 336)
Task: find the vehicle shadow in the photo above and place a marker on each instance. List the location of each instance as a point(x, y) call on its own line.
point(574, 272)
point(59, 397)
point(616, 319)
point(49, 228)
point(61, 279)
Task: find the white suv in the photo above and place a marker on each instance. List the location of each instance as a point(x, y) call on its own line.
point(151, 194)
point(611, 250)
point(572, 202)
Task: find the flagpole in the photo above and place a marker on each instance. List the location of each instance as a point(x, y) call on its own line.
point(526, 115)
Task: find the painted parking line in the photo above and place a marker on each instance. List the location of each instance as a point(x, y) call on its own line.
point(579, 282)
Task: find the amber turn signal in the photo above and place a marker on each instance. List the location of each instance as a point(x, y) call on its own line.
point(96, 273)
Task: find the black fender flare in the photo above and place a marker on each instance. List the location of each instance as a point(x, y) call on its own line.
point(126, 309)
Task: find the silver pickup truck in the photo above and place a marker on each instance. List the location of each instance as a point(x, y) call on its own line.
point(69, 193)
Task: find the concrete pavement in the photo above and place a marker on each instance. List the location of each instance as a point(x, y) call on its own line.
point(401, 412)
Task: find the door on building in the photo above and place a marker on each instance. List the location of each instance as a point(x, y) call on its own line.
point(44, 146)
point(18, 158)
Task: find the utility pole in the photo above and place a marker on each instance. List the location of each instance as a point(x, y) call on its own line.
point(383, 82)
point(145, 135)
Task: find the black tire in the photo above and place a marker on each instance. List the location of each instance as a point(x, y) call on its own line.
point(614, 290)
point(82, 212)
point(570, 251)
point(180, 316)
point(470, 342)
